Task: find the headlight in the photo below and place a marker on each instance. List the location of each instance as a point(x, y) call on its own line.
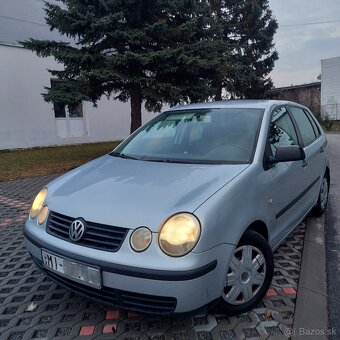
point(179, 234)
point(43, 214)
point(140, 239)
point(38, 203)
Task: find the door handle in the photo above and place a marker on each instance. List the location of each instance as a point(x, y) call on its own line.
point(304, 163)
point(322, 149)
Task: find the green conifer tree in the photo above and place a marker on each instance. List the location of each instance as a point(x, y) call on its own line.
point(248, 28)
point(151, 51)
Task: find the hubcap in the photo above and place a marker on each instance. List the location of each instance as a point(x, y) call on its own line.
point(324, 193)
point(245, 276)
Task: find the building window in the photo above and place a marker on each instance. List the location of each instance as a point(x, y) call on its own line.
point(60, 109)
point(69, 119)
point(76, 111)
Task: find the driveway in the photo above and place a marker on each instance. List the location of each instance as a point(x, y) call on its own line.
point(32, 306)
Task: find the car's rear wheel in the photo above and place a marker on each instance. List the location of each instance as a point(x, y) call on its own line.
point(249, 275)
point(321, 204)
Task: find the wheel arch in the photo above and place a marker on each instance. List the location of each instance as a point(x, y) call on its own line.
point(259, 227)
point(328, 173)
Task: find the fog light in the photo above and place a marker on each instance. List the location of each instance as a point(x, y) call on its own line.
point(43, 214)
point(141, 239)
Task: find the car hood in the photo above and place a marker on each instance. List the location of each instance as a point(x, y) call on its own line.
point(131, 193)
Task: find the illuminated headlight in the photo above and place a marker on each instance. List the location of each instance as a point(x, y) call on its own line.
point(179, 234)
point(38, 203)
point(43, 215)
point(140, 239)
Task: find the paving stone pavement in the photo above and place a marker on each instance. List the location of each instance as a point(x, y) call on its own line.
point(58, 313)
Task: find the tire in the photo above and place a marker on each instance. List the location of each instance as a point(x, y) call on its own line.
point(322, 202)
point(255, 247)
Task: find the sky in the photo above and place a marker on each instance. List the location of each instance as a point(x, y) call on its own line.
point(300, 47)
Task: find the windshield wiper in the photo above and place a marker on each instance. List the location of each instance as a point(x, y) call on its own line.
point(165, 160)
point(157, 160)
point(122, 155)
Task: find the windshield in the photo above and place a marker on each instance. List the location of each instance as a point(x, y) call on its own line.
point(211, 136)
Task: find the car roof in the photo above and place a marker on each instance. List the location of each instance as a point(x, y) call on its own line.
point(242, 103)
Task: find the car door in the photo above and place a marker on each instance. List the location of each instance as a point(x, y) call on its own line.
point(313, 146)
point(290, 179)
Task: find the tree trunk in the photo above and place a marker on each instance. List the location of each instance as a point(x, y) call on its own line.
point(218, 95)
point(217, 8)
point(136, 108)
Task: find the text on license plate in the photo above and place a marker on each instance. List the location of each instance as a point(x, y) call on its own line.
point(73, 270)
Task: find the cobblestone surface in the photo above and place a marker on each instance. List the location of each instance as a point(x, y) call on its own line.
point(32, 306)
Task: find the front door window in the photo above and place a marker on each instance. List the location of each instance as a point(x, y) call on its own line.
point(282, 131)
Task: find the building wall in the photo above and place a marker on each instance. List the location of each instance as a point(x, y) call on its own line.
point(330, 89)
point(307, 95)
point(26, 120)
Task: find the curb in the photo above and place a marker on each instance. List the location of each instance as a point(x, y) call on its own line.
point(311, 312)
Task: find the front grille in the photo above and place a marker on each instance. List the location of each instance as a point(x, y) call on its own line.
point(98, 236)
point(142, 303)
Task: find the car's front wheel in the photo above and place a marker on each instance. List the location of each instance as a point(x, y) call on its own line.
point(249, 275)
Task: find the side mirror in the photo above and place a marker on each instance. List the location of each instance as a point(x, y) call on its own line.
point(288, 154)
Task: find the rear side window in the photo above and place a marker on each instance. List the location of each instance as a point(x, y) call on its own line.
point(315, 127)
point(304, 125)
point(282, 131)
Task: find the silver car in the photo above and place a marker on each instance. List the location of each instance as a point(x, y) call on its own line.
point(186, 211)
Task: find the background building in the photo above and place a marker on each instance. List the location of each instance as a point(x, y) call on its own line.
point(26, 120)
point(323, 98)
point(330, 89)
point(306, 94)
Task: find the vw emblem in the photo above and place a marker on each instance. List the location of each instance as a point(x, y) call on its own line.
point(77, 230)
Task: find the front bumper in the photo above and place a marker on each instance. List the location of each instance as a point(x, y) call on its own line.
point(146, 290)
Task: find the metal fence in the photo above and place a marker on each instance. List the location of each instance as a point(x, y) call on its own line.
point(331, 111)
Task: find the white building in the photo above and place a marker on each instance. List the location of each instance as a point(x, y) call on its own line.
point(330, 88)
point(26, 120)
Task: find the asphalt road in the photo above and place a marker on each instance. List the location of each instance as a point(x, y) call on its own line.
point(333, 234)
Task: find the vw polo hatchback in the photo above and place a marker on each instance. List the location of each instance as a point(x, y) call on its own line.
point(186, 211)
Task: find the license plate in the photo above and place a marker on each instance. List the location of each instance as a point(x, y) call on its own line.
point(75, 271)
